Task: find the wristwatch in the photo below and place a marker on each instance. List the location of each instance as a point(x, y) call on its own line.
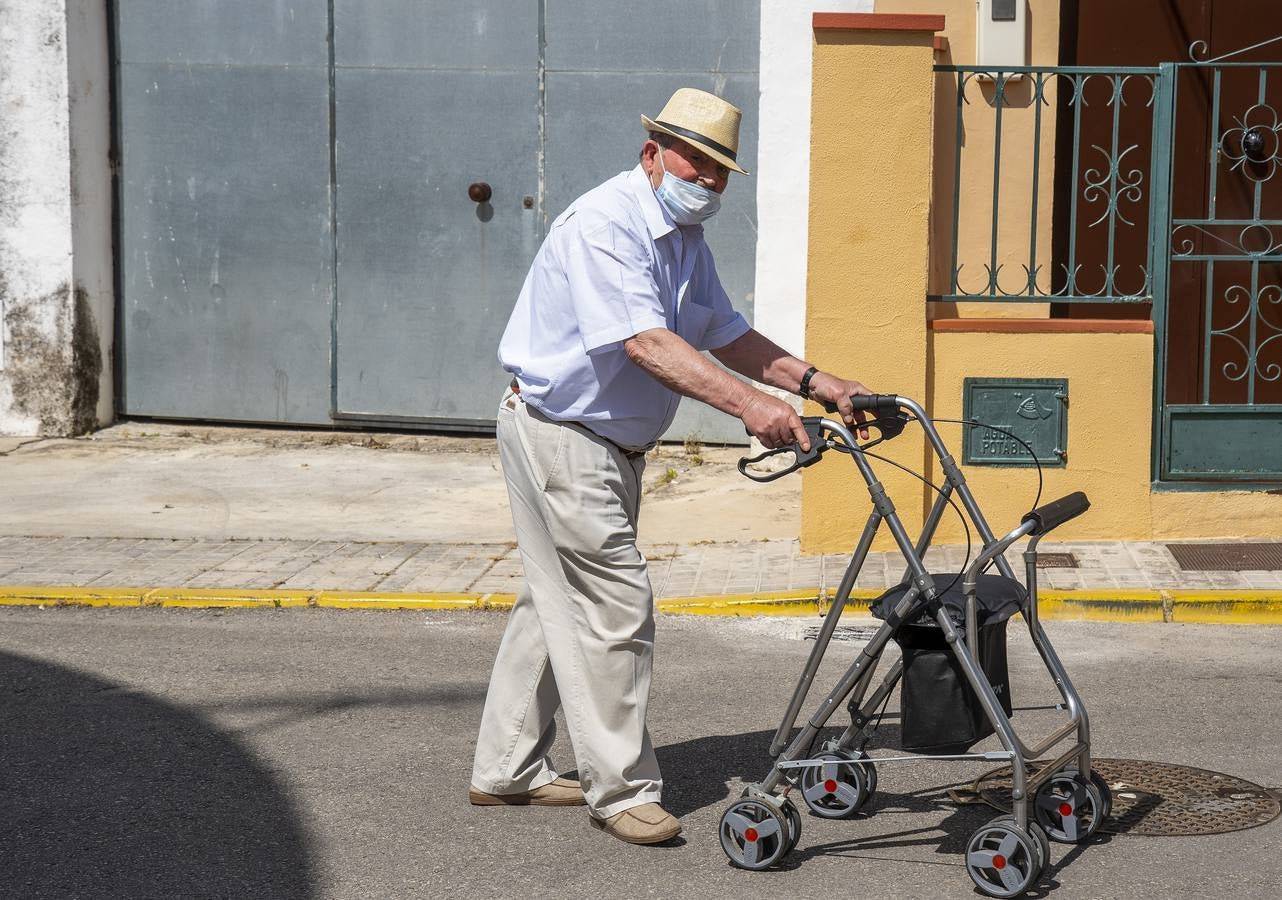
point(804, 389)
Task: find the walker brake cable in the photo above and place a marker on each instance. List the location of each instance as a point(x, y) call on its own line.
point(838, 445)
point(881, 712)
point(1010, 434)
point(1014, 437)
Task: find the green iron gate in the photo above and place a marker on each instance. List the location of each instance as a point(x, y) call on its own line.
point(1164, 188)
point(1225, 424)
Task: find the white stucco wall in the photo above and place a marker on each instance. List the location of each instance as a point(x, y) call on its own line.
point(783, 165)
point(55, 218)
point(89, 125)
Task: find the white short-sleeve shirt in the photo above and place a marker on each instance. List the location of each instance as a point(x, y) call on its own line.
point(613, 265)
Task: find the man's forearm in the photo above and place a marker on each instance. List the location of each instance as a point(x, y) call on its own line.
point(679, 366)
point(761, 359)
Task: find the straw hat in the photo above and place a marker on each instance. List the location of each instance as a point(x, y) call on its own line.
point(702, 120)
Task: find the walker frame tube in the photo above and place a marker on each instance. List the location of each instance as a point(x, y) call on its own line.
point(826, 632)
point(857, 678)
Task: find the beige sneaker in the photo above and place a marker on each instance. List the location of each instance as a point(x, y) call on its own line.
point(648, 823)
point(562, 792)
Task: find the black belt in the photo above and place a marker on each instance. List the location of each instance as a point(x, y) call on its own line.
point(628, 454)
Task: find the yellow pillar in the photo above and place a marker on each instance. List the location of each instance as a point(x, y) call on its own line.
point(870, 187)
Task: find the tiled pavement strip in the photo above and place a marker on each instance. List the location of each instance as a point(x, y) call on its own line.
point(696, 570)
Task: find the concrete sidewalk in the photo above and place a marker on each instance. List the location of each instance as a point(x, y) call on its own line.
point(160, 513)
point(676, 570)
point(1127, 581)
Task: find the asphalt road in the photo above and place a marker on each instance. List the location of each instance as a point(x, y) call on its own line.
point(304, 753)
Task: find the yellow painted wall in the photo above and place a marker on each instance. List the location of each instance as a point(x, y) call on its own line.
point(1015, 211)
point(1208, 514)
point(1110, 384)
point(1110, 387)
point(871, 125)
point(881, 155)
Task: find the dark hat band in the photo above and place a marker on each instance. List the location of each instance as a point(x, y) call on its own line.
point(695, 136)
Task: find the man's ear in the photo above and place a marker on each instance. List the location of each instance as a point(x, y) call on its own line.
point(648, 150)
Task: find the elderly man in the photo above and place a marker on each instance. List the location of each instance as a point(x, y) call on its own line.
point(603, 343)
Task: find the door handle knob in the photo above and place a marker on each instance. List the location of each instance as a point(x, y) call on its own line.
point(479, 192)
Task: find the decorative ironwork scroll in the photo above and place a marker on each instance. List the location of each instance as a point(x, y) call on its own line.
point(1108, 188)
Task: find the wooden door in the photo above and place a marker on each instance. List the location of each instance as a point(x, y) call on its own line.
point(1147, 33)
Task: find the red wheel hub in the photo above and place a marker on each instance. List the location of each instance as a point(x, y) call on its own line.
point(1065, 809)
point(750, 835)
point(830, 786)
point(999, 862)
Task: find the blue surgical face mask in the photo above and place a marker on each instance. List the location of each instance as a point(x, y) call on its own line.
point(688, 203)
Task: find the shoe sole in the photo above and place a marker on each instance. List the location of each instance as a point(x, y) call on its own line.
point(653, 839)
point(477, 798)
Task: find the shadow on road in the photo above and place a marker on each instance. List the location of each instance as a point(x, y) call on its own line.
point(285, 710)
point(698, 773)
point(110, 792)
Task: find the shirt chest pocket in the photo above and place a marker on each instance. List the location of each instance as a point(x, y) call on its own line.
point(692, 322)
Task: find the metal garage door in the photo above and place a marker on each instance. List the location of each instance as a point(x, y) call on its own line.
point(298, 243)
point(226, 251)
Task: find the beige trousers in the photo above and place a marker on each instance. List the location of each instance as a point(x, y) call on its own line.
point(581, 634)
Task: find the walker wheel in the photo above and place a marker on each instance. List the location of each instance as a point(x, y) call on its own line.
point(1106, 794)
point(1043, 845)
point(836, 789)
point(1002, 860)
point(868, 769)
point(1070, 807)
point(793, 815)
point(1038, 832)
point(753, 835)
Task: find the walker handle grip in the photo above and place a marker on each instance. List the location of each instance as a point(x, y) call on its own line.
point(1057, 512)
point(802, 458)
point(889, 420)
point(882, 403)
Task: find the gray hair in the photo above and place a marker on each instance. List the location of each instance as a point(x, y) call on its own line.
point(663, 140)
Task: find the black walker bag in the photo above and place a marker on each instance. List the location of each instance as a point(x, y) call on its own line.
point(939, 712)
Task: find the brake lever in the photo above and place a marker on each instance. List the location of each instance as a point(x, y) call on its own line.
point(802, 458)
point(889, 425)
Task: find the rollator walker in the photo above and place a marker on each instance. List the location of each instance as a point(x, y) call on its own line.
point(951, 630)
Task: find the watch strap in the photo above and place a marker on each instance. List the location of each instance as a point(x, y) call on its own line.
point(804, 389)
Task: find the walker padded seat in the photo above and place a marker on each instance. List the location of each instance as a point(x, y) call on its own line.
point(939, 711)
point(998, 598)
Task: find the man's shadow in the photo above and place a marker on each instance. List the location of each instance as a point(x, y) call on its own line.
point(106, 791)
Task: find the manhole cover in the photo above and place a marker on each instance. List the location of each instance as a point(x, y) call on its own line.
point(1056, 561)
point(1155, 798)
point(1259, 556)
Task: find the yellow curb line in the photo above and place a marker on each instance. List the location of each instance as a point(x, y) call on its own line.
point(1244, 607)
point(1236, 607)
point(1103, 605)
point(777, 603)
point(222, 598)
point(376, 600)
